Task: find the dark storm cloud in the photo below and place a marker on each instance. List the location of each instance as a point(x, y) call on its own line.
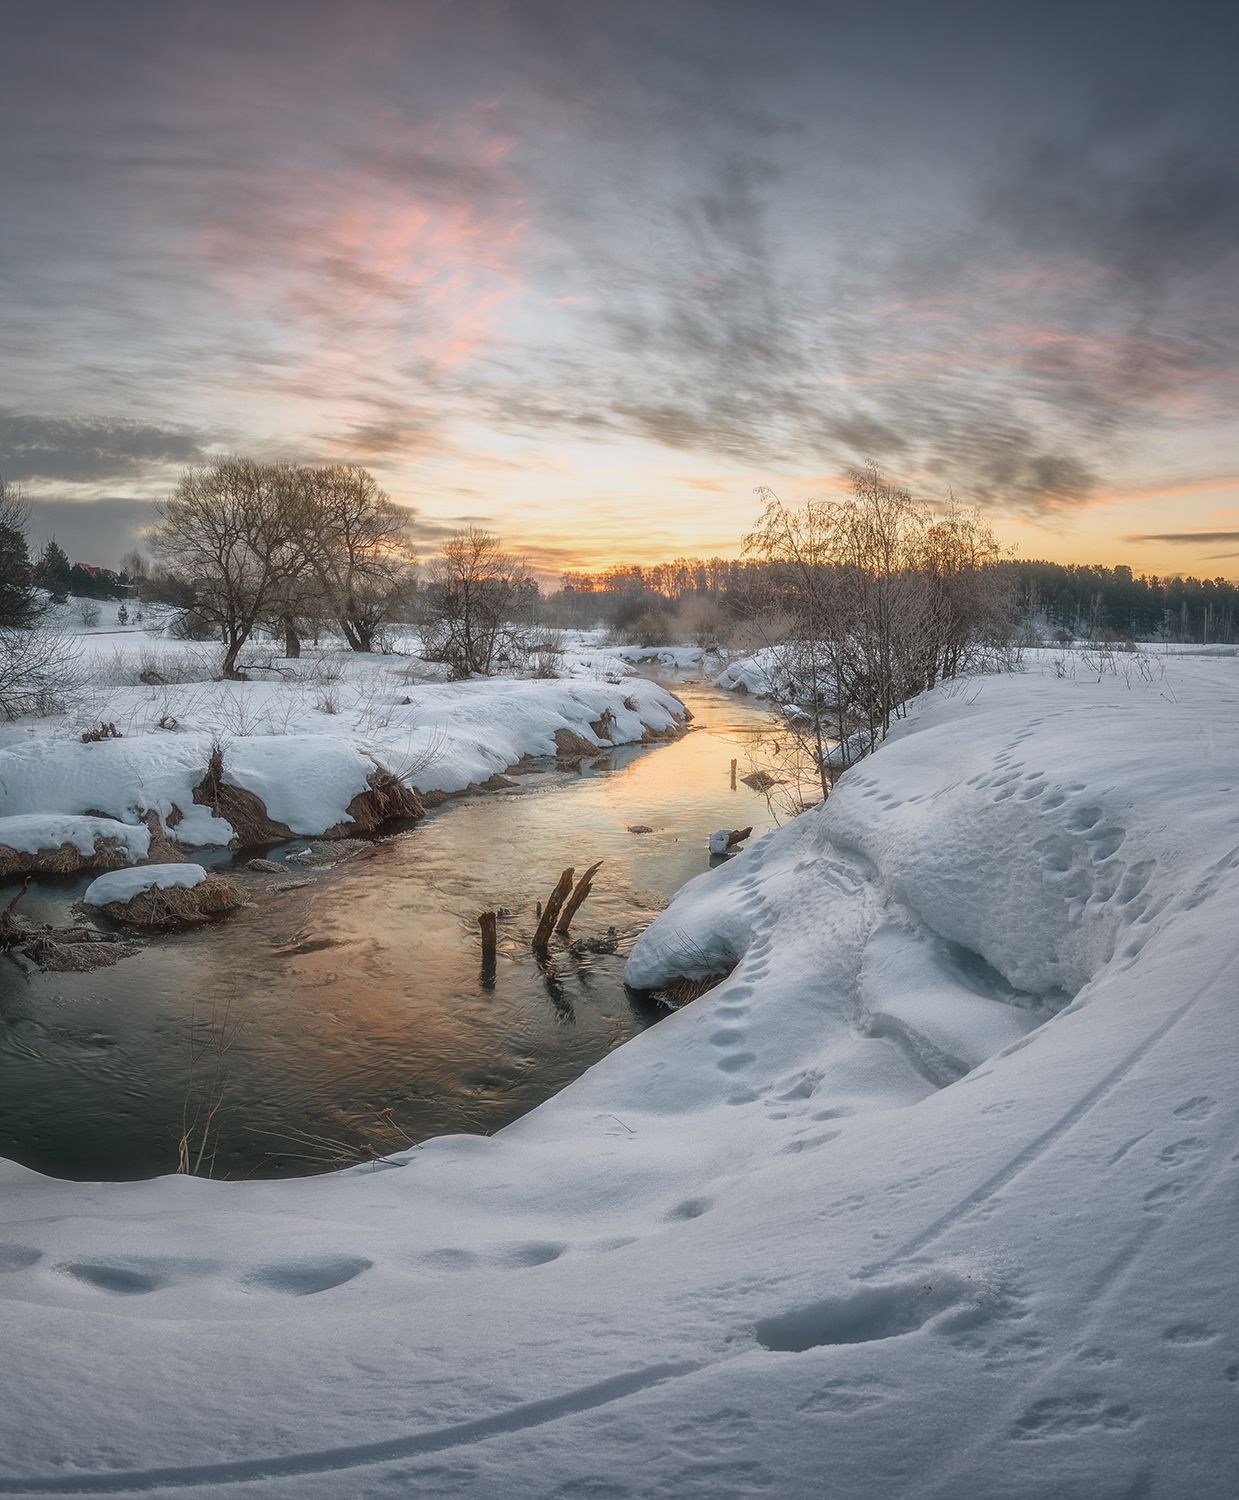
point(86, 449)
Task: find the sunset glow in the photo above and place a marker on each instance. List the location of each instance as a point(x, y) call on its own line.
point(589, 274)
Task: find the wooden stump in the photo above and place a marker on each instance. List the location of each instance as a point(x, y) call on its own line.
point(550, 912)
point(490, 937)
point(583, 888)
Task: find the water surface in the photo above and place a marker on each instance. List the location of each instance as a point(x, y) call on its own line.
point(363, 992)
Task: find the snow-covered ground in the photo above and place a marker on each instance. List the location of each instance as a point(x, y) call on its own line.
point(935, 1196)
point(304, 736)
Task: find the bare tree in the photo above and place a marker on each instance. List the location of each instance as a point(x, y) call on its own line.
point(356, 539)
point(229, 527)
point(869, 601)
point(479, 603)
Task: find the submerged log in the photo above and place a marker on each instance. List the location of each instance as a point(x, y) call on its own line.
point(550, 912)
point(583, 888)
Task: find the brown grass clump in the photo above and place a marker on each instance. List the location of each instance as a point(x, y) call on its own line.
point(684, 991)
point(64, 859)
point(386, 797)
point(244, 810)
point(176, 906)
point(572, 746)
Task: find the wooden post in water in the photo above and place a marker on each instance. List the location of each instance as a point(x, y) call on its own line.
point(583, 888)
point(550, 911)
point(487, 922)
point(733, 775)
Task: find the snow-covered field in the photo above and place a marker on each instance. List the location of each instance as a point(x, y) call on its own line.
point(935, 1196)
point(303, 736)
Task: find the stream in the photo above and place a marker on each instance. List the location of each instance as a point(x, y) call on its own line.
point(351, 1017)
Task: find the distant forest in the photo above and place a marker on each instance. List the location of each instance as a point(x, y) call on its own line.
point(1071, 599)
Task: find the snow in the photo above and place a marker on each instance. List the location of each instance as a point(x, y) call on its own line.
point(305, 744)
point(934, 1196)
point(124, 885)
point(758, 674)
point(31, 832)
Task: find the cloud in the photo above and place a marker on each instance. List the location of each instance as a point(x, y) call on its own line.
point(90, 449)
point(1186, 537)
point(98, 531)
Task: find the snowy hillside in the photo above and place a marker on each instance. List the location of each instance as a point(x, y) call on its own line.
point(934, 1196)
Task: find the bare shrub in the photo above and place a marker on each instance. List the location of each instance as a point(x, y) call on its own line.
point(40, 666)
point(479, 604)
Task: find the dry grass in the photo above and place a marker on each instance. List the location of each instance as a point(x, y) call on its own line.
point(176, 906)
point(64, 859)
point(682, 992)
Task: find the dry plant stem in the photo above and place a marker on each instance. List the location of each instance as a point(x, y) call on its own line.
point(209, 1044)
point(575, 901)
point(555, 901)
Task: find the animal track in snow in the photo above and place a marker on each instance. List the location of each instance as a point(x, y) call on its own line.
point(1178, 1152)
point(841, 1397)
point(1196, 1108)
point(1189, 1333)
point(1160, 1198)
point(808, 1143)
point(1096, 1354)
point(691, 1208)
point(1085, 1411)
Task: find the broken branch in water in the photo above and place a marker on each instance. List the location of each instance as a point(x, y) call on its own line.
point(583, 888)
point(546, 924)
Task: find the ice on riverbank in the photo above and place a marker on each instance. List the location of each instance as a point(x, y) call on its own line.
point(933, 1196)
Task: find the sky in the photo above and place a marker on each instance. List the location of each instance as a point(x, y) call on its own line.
point(587, 272)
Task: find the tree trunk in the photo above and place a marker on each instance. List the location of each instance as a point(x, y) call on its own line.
point(292, 641)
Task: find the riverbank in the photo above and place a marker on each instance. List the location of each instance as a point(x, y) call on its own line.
point(326, 745)
point(793, 1231)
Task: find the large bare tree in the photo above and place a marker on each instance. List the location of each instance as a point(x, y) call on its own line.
point(356, 539)
point(231, 529)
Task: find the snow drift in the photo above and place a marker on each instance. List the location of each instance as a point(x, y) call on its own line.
point(934, 1196)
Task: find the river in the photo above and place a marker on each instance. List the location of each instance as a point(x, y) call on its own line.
point(363, 991)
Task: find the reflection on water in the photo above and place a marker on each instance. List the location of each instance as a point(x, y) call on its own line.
point(363, 991)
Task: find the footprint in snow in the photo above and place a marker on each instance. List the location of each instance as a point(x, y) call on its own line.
point(114, 1281)
point(306, 1278)
point(18, 1257)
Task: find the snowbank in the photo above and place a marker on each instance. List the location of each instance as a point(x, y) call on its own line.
point(934, 1196)
point(436, 738)
point(124, 885)
point(758, 674)
point(41, 842)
